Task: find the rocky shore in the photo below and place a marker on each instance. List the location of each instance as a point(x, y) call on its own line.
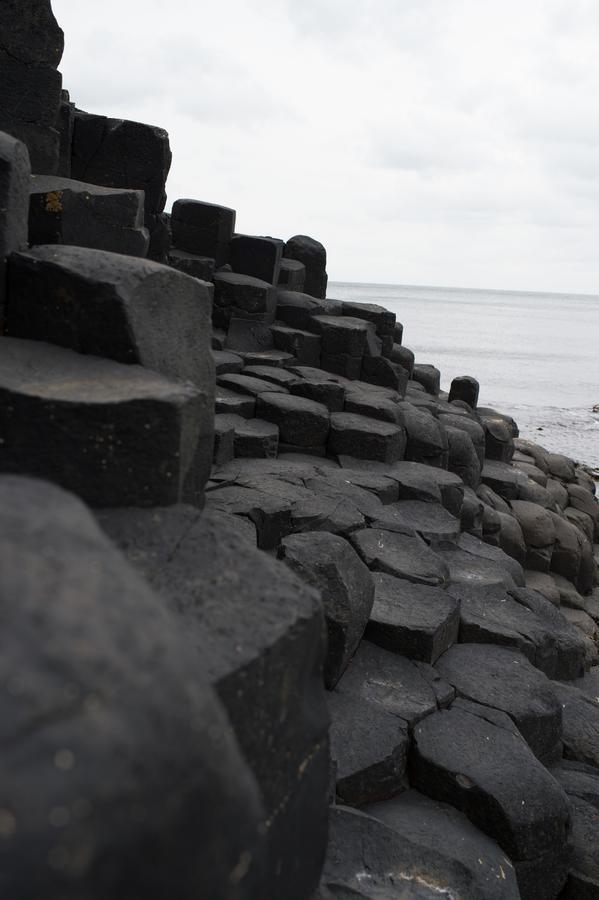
point(282, 618)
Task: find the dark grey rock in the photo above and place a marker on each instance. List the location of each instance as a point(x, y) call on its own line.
point(15, 172)
point(130, 310)
point(255, 438)
point(380, 371)
point(259, 633)
point(491, 775)
point(292, 275)
point(329, 393)
point(314, 257)
point(505, 680)
point(367, 859)
point(109, 728)
point(246, 384)
point(303, 345)
point(201, 267)
point(342, 335)
point(401, 555)
point(502, 478)
point(246, 336)
point(381, 318)
point(429, 377)
point(472, 513)
point(231, 402)
point(464, 388)
point(256, 256)
point(369, 747)
point(427, 439)
point(122, 154)
point(226, 363)
point(296, 309)
point(463, 457)
point(579, 498)
point(403, 357)
point(270, 514)
point(63, 211)
point(429, 520)
point(242, 297)
point(274, 358)
point(416, 620)
point(580, 714)
point(115, 435)
point(374, 406)
point(538, 530)
point(365, 438)
point(329, 564)
point(301, 422)
point(443, 830)
point(203, 229)
point(224, 439)
point(499, 435)
point(274, 374)
point(511, 538)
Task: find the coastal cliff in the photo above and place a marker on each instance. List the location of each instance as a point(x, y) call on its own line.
point(282, 618)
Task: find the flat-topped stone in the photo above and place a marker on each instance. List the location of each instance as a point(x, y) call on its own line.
point(492, 776)
point(429, 520)
point(415, 620)
point(301, 422)
point(383, 319)
point(205, 229)
point(114, 434)
point(292, 274)
point(201, 267)
point(242, 297)
point(296, 309)
point(233, 403)
point(580, 724)
point(401, 555)
point(313, 255)
point(276, 358)
point(64, 211)
point(365, 438)
point(243, 383)
point(303, 345)
point(226, 363)
point(341, 334)
point(274, 374)
point(442, 829)
point(256, 256)
point(505, 680)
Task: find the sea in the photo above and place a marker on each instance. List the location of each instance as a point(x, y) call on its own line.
point(536, 356)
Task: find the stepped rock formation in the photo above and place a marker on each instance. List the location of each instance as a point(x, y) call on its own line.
point(282, 618)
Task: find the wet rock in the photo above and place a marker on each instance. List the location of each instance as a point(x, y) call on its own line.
point(365, 438)
point(506, 793)
point(292, 275)
point(256, 256)
point(401, 555)
point(415, 620)
point(505, 680)
point(329, 564)
point(109, 728)
point(259, 632)
point(15, 172)
point(314, 257)
point(303, 345)
point(369, 747)
point(443, 830)
point(115, 435)
point(203, 229)
point(580, 714)
point(63, 211)
point(201, 267)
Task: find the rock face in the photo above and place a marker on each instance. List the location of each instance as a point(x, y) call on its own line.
point(258, 632)
point(108, 728)
point(15, 174)
point(339, 583)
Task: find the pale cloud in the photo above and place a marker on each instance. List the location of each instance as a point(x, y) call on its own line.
point(423, 141)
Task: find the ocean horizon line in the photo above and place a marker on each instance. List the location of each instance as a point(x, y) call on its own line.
point(469, 290)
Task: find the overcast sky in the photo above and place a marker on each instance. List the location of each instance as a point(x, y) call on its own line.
point(440, 142)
